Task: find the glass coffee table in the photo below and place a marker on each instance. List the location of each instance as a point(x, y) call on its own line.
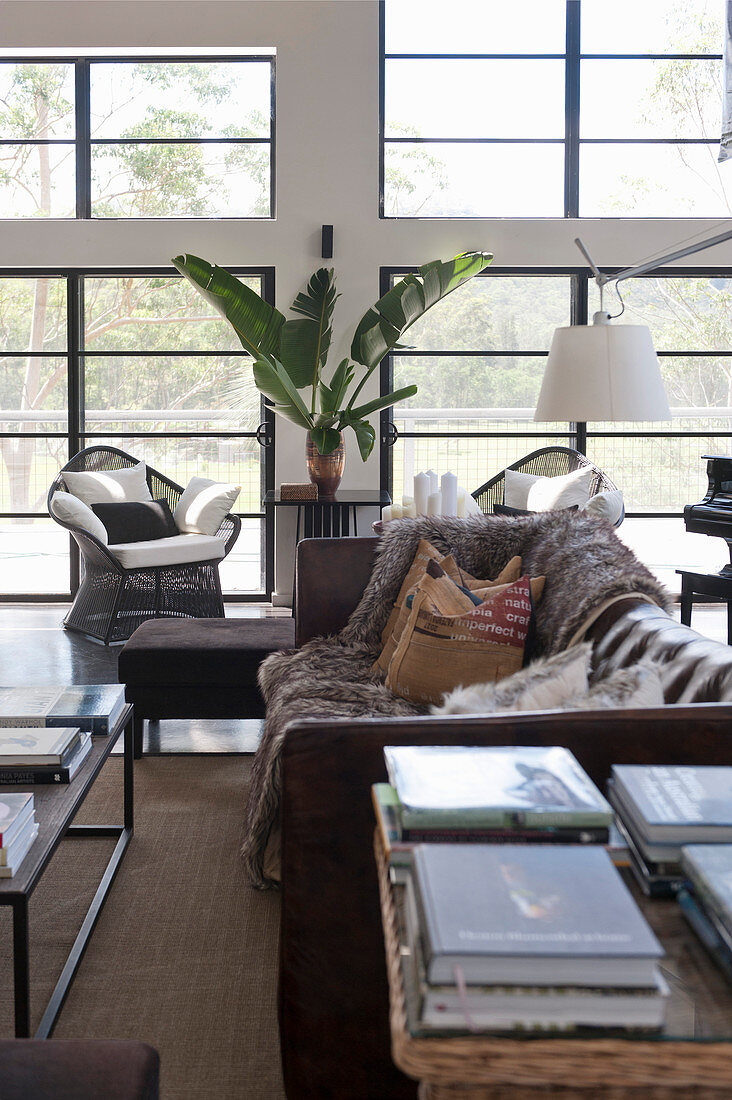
point(691, 1056)
point(56, 807)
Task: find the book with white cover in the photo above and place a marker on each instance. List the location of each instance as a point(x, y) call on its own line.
point(498, 786)
point(9, 869)
point(677, 804)
point(19, 843)
point(37, 744)
point(15, 809)
point(529, 915)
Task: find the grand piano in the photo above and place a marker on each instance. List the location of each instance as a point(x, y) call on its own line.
point(711, 516)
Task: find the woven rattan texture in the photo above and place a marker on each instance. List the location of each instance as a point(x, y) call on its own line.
point(112, 601)
point(547, 462)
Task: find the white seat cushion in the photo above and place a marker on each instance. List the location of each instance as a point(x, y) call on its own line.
point(171, 551)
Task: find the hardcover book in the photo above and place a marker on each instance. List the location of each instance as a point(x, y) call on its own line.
point(9, 869)
point(24, 774)
point(529, 915)
point(91, 707)
point(9, 856)
point(677, 804)
point(494, 787)
point(15, 809)
point(30, 745)
point(709, 868)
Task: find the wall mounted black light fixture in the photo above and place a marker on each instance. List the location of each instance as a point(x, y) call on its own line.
point(326, 242)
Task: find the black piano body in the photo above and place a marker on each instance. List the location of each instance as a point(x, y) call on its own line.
point(713, 514)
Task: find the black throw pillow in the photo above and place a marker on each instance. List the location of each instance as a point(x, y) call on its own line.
point(507, 510)
point(136, 520)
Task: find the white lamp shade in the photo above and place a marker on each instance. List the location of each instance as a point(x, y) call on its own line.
point(602, 372)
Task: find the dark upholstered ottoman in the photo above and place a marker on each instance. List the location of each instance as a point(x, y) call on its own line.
point(78, 1069)
point(199, 668)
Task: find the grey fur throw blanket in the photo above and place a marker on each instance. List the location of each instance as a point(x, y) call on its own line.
point(584, 563)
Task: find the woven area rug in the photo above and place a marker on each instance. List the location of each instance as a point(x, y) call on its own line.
point(185, 953)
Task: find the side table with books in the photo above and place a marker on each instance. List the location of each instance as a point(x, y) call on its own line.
point(53, 799)
point(520, 959)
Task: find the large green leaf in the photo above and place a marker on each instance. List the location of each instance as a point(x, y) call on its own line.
point(383, 402)
point(331, 396)
point(365, 434)
point(381, 327)
point(256, 323)
point(304, 342)
point(274, 382)
point(325, 439)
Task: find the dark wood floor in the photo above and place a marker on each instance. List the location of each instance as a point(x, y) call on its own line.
point(35, 649)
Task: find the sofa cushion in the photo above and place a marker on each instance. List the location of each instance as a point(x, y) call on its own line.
point(136, 520)
point(204, 651)
point(544, 494)
point(96, 486)
point(545, 684)
point(70, 509)
point(437, 653)
point(203, 506)
point(169, 551)
point(606, 505)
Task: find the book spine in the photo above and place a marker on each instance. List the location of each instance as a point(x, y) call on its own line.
point(18, 777)
point(26, 721)
point(508, 836)
point(96, 724)
point(502, 819)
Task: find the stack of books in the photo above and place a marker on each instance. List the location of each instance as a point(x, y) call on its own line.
point(660, 808)
point(42, 754)
point(94, 708)
point(455, 794)
point(706, 898)
point(506, 937)
point(18, 830)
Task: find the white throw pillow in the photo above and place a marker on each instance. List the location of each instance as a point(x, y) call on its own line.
point(607, 505)
point(542, 494)
point(69, 509)
point(545, 684)
point(203, 505)
point(109, 486)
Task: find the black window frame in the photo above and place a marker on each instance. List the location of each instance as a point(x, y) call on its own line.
point(78, 438)
point(83, 141)
point(577, 431)
point(572, 141)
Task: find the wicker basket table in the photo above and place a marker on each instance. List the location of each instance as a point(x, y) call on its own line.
point(690, 1060)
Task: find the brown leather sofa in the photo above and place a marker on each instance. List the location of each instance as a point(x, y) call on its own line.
point(333, 1006)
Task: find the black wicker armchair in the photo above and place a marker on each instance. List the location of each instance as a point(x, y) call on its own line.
point(547, 462)
point(113, 600)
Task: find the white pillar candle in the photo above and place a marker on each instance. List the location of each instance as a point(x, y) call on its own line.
point(434, 486)
point(434, 504)
point(421, 492)
point(461, 503)
point(396, 511)
point(448, 486)
point(386, 514)
point(408, 506)
point(472, 508)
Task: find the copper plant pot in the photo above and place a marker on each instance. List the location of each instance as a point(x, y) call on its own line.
point(325, 471)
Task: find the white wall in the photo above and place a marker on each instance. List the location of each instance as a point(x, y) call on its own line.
point(327, 172)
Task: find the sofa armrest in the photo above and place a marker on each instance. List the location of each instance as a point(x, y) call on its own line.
point(330, 577)
point(333, 992)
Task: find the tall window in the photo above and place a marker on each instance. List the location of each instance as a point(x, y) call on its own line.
point(551, 108)
point(152, 138)
point(136, 361)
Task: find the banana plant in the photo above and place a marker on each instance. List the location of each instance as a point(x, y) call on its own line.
point(290, 356)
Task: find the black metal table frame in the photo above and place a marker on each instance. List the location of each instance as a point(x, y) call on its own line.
point(21, 953)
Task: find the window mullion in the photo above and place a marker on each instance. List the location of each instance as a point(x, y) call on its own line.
point(572, 111)
point(83, 139)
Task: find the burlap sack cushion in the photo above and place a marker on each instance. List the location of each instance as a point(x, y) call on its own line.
point(437, 652)
point(426, 553)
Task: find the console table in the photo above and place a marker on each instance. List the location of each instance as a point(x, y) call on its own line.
point(55, 809)
point(694, 1052)
point(329, 518)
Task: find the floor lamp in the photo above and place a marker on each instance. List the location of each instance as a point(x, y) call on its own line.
point(603, 371)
